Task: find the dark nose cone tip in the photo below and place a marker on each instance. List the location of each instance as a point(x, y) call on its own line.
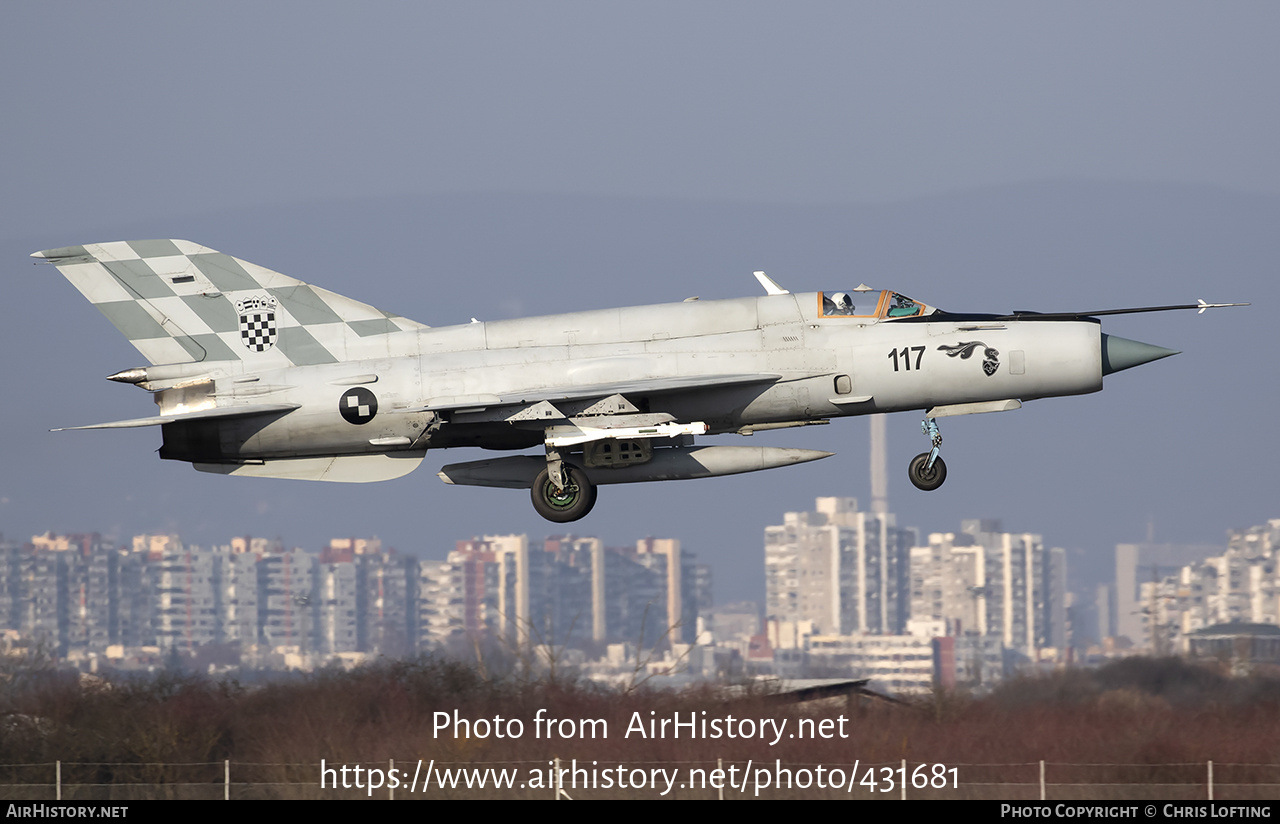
point(1121, 353)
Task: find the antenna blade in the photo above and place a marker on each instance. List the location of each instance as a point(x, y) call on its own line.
point(770, 286)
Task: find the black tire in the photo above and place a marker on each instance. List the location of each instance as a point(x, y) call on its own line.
point(574, 502)
point(928, 481)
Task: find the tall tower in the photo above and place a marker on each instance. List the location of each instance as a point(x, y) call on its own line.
point(879, 473)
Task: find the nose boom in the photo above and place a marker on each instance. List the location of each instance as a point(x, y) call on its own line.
point(1121, 353)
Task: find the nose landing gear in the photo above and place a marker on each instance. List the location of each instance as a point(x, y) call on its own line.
point(927, 470)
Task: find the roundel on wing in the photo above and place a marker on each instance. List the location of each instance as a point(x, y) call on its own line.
point(358, 405)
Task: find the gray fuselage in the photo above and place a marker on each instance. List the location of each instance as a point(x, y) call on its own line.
point(479, 384)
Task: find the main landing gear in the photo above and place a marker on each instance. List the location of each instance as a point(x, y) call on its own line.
point(927, 470)
point(562, 492)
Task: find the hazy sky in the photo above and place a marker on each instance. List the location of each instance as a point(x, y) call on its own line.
point(145, 108)
point(660, 149)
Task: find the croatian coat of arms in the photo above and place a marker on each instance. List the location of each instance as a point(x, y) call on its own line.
point(257, 322)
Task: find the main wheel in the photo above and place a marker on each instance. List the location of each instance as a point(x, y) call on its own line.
point(564, 505)
point(931, 479)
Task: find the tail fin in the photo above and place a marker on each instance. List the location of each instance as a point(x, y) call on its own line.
point(180, 302)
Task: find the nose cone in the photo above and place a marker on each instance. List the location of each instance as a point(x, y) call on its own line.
point(1122, 353)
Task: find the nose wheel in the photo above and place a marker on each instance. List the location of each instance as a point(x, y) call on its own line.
point(926, 477)
point(927, 470)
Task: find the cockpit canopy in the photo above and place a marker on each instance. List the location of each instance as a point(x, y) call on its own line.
point(869, 303)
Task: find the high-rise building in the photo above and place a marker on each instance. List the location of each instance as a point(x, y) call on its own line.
point(1239, 585)
point(1149, 562)
point(564, 590)
point(89, 563)
point(57, 589)
point(477, 565)
point(187, 591)
point(631, 602)
point(441, 605)
point(568, 590)
point(948, 583)
point(663, 556)
point(238, 599)
point(386, 609)
point(336, 619)
point(990, 583)
point(843, 570)
point(285, 594)
point(1025, 590)
point(42, 609)
point(137, 601)
point(10, 584)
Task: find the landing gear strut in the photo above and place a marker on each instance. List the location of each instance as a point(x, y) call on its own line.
point(562, 492)
point(927, 470)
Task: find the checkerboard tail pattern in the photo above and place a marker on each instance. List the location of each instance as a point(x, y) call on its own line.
point(179, 302)
point(259, 331)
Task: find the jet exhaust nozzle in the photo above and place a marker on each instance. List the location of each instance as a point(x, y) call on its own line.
point(1121, 353)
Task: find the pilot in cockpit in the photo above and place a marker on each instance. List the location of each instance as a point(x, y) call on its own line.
point(837, 303)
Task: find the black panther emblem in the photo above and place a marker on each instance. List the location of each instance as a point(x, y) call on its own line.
point(963, 349)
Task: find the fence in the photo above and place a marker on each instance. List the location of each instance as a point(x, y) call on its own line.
point(567, 778)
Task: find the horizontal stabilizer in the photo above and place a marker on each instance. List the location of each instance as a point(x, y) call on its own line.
point(202, 415)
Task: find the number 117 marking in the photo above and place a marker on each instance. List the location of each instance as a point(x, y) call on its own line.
point(905, 353)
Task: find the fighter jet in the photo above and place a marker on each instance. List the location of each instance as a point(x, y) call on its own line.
point(258, 374)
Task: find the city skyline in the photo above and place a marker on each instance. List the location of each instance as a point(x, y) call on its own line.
point(279, 538)
point(1100, 569)
point(865, 584)
point(848, 594)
